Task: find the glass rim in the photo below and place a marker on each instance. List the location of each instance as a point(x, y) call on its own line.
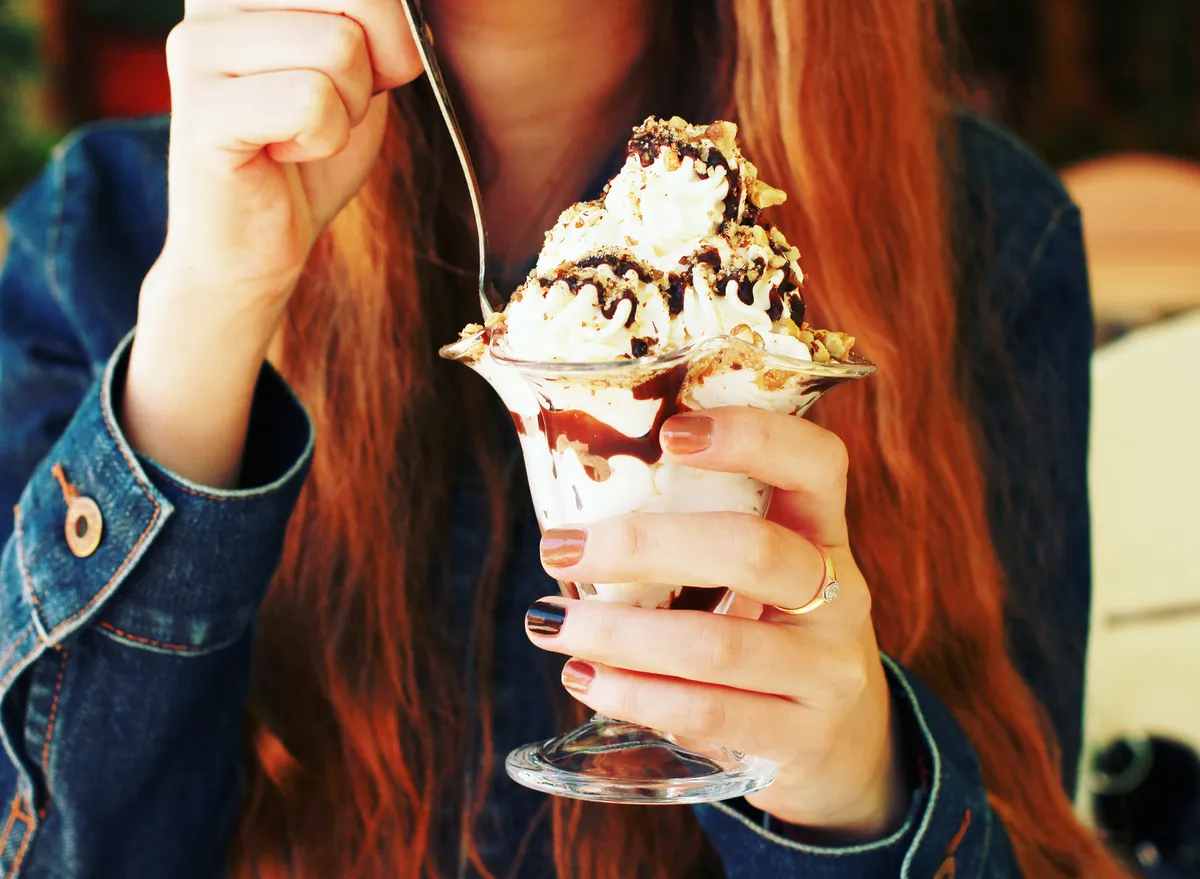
point(854, 368)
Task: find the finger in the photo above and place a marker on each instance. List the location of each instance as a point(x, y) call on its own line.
point(389, 40)
point(754, 557)
point(787, 452)
point(272, 42)
point(753, 723)
point(297, 115)
point(707, 648)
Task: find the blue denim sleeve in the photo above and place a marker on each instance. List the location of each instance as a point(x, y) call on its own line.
point(123, 673)
point(1028, 346)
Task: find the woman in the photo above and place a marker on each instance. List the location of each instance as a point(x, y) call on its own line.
point(311, 219)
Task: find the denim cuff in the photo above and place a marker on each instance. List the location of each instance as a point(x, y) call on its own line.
point(949, 827)
point(179, 568)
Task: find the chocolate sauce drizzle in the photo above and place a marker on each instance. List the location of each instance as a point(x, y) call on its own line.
point(604, 441)
point(608, 306)
point(609, 301)
point(696, 598)
point(775, 308)
point(676, 285)
point(789, 290)
point(796, 309)
point(647, 145)
point(708, 256)
point(621, 265)
point(745, 289)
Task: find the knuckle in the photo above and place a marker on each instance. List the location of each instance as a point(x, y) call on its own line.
point(634, 537)
point(323, 114)
point(769, 436)
point(757, 547)
point(628, 703)
point(320, 98)
point(838, 457)
point(707, 715)
point(721, 646)
point(853, 680)
point(345, 44)
point(606, 631)
point(756, 433)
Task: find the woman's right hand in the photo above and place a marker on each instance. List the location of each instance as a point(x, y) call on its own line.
point(278, 114)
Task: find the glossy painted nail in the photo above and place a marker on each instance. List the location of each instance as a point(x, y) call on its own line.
point(545, 618)
point(578, 675)
point(687, 434)
point(562, 548)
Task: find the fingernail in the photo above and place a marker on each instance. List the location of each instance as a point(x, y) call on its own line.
point(687, 434)
point(545, 618)
point(578, 675)
point(563, 548)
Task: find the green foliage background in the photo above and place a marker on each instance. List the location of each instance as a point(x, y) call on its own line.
point(21, 152)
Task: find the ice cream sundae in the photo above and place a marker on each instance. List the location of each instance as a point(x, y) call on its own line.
point(670, 293)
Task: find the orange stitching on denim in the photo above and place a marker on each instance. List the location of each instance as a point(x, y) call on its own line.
point(8, 678)
point(69, 491)
point(19, 533)
point(13, 649)
point(62, 670)
point(962, 832)
point(20, 856)
point(125, 564)
point(192, 491)
point(109, 627)
point(8, 824)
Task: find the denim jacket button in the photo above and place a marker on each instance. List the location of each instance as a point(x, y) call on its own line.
point(84, 526)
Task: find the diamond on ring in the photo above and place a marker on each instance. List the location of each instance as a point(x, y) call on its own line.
point(831, 592)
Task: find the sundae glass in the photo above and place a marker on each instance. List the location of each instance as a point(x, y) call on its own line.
point(668, 295)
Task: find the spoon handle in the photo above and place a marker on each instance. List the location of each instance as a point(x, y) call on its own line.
point(424, 40)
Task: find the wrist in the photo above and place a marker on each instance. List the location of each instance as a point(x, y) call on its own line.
point(190, 382)
point(883, 808)
point(186, 305)
point(876, 794)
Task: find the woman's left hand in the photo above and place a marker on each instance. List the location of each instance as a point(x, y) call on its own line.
point(807, 692)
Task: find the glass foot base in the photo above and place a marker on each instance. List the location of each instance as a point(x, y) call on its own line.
point(609, 761)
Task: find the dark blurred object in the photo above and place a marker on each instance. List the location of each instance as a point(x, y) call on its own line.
point(139, 16)
point(1003, 42)
point(1146, 58)
point(1115, 76)
point(1146, 801)
point(106, 57)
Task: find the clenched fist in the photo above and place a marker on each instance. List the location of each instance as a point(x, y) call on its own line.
point(278, 116)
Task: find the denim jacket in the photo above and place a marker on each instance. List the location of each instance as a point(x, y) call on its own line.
point(124, 665)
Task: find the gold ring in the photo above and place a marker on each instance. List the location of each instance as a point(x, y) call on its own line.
point(826, 592)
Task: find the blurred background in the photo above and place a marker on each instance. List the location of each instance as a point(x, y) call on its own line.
point(1108, 92)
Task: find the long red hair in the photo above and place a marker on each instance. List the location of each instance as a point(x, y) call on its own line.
point(356, 735)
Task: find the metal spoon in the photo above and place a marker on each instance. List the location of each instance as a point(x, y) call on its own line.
point(424, 40)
